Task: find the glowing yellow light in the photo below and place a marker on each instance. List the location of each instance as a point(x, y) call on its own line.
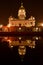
point(8, 25)
point(36, 38)
point(20, 28)
point(11, 46)
point(32, 44)
point(33, 18)
point(9, 41)
point(1, 26)
point(42, 24)
point(22, 50)
point(19, 11)
point(19, 38)
point(36, 28)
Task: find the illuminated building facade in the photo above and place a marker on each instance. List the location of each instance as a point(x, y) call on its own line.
point(21, 21)
point(19, 24)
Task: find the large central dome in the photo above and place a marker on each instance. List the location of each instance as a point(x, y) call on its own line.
point(21, 12)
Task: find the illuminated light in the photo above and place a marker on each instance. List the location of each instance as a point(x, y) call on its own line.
point(30, 46)
point(23, 10)
point(37, 28)
point(9, 41)
point(11, 46)
point(37, 38)
point(6, 38)
point(1, 26)
point(28, 41)
point(21, 46)
point(20, 28)
point(42, 24)
point(19, 38)
point(10, 18)
point(33, 46)
point(22, 50)
point(8, 25)
point(33, 18)
point(19, 11)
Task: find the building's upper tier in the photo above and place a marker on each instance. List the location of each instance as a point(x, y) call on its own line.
point(21, 12)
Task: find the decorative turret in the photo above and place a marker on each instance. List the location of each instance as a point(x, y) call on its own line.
point(21, 12)
point(11, 18)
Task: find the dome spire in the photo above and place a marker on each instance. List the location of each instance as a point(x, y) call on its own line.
point(21, 12)
point(21, 4)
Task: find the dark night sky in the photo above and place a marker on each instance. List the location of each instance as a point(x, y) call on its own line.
point(10, 7)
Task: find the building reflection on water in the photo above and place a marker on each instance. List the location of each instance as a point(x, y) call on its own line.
point(24, 48)
point(22, 42)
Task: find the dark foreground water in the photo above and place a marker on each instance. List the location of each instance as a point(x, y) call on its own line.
point(34, 50)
